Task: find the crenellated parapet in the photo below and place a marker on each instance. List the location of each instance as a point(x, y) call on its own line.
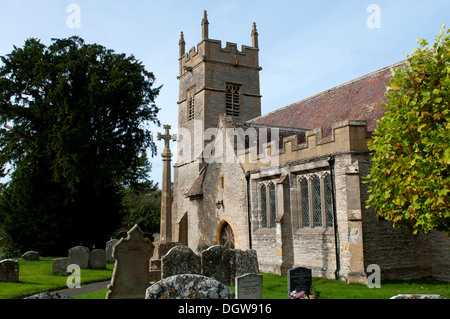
point(209, 50)
point(346, 136)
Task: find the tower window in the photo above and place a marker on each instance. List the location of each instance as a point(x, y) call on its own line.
point(232, 99)
point(190, 105)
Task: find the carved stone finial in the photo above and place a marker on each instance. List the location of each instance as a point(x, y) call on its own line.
point(254, 36)
point(205, 25)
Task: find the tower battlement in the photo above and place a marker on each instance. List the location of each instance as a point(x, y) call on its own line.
point(209, 50)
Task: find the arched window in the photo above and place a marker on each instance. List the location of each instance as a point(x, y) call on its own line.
point(328, 201)
point(227, 236)
point(304, 202)
point(263, 199)
point(272, 206)
point(317, 201)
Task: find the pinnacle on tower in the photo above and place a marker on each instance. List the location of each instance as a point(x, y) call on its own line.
point(254, 36)
point(182, 44)
point(205, 26)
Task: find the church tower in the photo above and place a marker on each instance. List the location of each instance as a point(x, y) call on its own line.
point(213, 81)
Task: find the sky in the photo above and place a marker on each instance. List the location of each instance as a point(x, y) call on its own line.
point(306, 47)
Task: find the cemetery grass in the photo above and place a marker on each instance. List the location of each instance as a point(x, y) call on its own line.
point(275, 287)
point(34, 277)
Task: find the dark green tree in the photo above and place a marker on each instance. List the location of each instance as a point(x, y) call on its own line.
point(410, 180)
point(74, 123)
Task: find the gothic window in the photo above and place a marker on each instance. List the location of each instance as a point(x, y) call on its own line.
point(272, 206)
point(232, 99)
point(328, 201)
point(190, 105)
point(267, 201)
point(263, 206)
point(304, 202)
point(317, 201)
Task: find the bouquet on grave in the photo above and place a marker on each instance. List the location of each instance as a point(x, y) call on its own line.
point(298, 295)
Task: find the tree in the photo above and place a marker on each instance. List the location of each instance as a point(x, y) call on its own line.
point(73, 126)
point(410, 180)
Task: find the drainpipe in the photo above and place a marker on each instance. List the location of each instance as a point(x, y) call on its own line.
point(336, 237)
point(247, 177)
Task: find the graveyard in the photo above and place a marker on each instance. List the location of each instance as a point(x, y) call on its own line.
point(235, 269)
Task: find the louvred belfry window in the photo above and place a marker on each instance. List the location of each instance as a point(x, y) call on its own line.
point(191, 105)
point(233, 99)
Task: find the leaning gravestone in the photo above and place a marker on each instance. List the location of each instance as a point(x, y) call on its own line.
point(249, 286)
point(97, 259)
point(299, 279)
point(59, 265)
point(180, 260)
point(9, 270)
point(131, 274)
point(188, 286)
point(80, 256)
point(219, 262)
point(109, 248)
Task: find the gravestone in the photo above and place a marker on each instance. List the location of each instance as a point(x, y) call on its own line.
point(249, 286)
point(219, 262)
point(180, 260)
point(246, 262)
point(299, 279)
point(31, 255)
point(80, 256)
point(48, 295)
point(188, 286)
point(59, 265)
point(131, 275)
point(109, 248)
point(9, 270)
point(97, 259)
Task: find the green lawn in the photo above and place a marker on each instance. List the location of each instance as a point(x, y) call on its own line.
point(34, 277)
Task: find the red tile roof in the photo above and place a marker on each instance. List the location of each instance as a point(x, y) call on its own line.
point(358, 99)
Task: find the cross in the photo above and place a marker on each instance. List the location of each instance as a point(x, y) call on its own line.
point(166, 137)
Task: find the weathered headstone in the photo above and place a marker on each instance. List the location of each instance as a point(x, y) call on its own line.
point(131, 274)
point(48, 295)
point(417, 296)
point(31, 255)
point(249, 286)
point(299, 279)
point(180, 260)
point(80, 256)
point(97, 259)
point(59, 265)
point(246, 262)
point(188, 286)
point(109, 248)
point(9, 270)
point(218, 262)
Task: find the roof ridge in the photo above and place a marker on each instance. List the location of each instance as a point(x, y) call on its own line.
point(330, 90)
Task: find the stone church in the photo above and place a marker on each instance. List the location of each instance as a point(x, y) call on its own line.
point(288, 184)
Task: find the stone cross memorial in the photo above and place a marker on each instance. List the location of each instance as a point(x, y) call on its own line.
point(299, 279)
point(166, 199)
point(249, 286)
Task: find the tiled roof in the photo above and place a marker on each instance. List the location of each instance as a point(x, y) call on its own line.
point(197, 187)
point(358, 99)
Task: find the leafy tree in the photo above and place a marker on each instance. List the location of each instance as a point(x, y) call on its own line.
point(410, 180)
point(73, 126)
